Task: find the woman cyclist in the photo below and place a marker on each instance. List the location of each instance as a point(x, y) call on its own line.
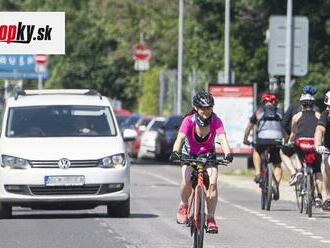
point(196, 136)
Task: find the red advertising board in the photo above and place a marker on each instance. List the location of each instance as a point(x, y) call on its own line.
point(234, 106)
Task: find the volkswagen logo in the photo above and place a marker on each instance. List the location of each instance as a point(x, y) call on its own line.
point(64, 163)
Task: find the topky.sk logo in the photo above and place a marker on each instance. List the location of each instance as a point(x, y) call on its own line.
point(21, 33)
point(32, 33)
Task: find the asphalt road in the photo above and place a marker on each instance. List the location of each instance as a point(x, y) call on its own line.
point(154, 200)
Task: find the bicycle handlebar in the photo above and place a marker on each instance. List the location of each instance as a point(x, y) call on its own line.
point(205, 158)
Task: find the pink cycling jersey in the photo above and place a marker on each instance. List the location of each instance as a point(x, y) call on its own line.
point(192, 146)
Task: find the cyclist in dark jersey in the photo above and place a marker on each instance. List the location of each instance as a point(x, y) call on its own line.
point(269, 131)
point(322, 144)
point(303, 126)
point(287, 152)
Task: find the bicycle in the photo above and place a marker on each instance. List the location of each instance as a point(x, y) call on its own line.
point(267, 176)
point(197, 207)
point(304, 189)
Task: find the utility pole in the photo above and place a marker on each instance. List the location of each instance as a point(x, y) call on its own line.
point(288, 57)
point(180, 57)
point(227, 43)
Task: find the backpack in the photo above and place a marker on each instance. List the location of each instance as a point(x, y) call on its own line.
point(270, 113)
point(269, 122)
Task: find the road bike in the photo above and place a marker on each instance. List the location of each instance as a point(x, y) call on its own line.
point(267, 182)
point(304, 189)
point(197, 207)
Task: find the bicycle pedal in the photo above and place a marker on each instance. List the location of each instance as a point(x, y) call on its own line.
point(212, 231)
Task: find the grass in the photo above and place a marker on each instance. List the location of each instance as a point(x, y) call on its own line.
point(250, 173)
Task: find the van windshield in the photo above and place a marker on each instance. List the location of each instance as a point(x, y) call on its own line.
point(60, 121)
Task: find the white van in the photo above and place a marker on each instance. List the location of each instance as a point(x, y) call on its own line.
point(63, 149)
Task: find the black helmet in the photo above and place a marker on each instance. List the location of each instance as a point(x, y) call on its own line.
point(203, 99)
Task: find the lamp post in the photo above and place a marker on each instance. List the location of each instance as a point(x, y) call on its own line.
point(180, 57)
point(288, 57)
point(227, 43)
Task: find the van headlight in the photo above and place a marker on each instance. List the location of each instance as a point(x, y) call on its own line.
point(114, 161)
point(14, 162)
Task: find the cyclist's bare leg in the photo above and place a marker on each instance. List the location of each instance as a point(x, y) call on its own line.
point(297, 162)
point(212, 194)
point(287, 163)
point(327, 176)
point(278, 172)
point(256, 161)
point(318, 182)
point(185, 189)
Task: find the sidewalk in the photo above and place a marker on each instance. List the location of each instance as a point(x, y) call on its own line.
point(286, 192)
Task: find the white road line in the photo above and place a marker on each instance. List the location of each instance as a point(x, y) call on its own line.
point(290, 227)
point(263, 216)
point(307, 233)
point(163, 178)
point(317, 237)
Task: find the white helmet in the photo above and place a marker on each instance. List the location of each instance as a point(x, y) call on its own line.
point(327, 98)
point(306, 97)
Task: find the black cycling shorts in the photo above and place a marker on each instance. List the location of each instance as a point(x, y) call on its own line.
point(274, 151)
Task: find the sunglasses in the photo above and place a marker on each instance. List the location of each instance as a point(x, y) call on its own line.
point(205, 108)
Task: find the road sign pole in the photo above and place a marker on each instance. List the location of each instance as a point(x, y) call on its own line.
point(288, 57)
point(40, 86)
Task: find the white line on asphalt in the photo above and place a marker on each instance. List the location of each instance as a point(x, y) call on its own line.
point(109, 230)
point(298, 230)
point(307, 233)
point(317, 237)
point(263, 216)
point(163, 178)
point(290, 227)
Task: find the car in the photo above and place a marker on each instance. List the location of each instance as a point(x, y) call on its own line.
point(121, 115)
point(166, 136)
point(63, 149)
point(148, 138)
point(138, 122)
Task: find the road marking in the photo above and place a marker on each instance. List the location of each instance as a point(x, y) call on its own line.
point(163, 178)
point(263, 216)
point(307, 233)
point(317, 237)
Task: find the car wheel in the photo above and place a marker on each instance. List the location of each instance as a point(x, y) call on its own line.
point(5, 211)
point(119, 209)
point(159, 153)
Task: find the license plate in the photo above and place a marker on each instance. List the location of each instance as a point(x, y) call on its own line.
point(64, 180)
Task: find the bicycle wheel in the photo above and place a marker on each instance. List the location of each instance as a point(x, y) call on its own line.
point(200, 221)
point(299, 196)
point(269, 186)
point(263, 187)
point(309, 195)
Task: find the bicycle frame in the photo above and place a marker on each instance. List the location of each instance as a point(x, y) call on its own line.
point(267, 181)
point(194, 200)
point(305, 188)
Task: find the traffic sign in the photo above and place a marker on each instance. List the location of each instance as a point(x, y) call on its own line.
point(277, 46)
point(142, 52)
point(41, 59)
point(10, 62)
point(141, 65)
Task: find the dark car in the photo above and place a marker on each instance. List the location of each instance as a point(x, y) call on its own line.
point(166, 136)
